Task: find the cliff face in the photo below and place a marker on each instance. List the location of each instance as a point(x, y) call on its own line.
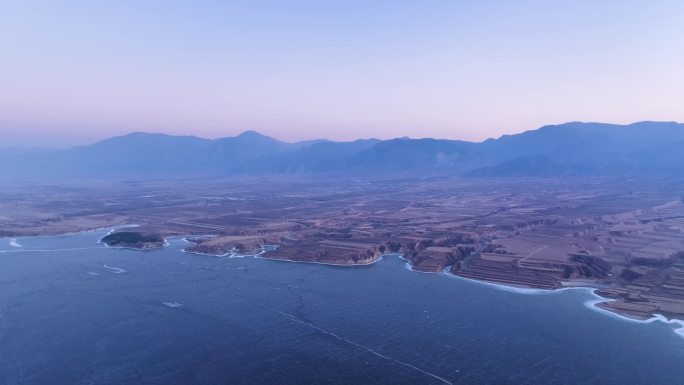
point(511, 269)
point(216, 250)
point(226, 245)
point(299, 250)
point(424, 255)
point(324, 252)
point(435, 259)
point(648, 286)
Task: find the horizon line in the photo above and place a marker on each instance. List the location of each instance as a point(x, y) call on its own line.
point(320, 139)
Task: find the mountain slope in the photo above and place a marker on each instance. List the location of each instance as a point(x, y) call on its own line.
point(567, 149)
point(577, 141)
point(579, 149)
point(317, 157)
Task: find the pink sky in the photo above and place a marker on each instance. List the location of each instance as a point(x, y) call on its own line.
point(74, 74)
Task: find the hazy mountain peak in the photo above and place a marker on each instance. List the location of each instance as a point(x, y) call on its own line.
point(573, 148)
point(251, 134)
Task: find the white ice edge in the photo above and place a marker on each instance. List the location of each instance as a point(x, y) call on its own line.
point(111, 228)
point(115, 270)
point(590, 304)
point(232, 253)
point(14, 242)
point(324, 263)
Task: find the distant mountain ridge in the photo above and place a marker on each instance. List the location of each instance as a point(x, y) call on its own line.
point(573, 148)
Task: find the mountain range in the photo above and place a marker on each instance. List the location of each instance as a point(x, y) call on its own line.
point(568, 149)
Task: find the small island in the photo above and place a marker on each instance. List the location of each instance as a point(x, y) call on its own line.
point(134, 240)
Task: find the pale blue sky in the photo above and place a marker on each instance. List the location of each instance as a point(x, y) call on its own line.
point(76, 71)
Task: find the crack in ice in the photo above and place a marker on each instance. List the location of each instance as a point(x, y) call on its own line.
point(338, 337)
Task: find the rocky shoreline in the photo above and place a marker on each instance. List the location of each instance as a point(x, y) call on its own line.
point(613, 298)
point(611, 301)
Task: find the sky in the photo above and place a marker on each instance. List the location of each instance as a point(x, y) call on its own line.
point(73, 72)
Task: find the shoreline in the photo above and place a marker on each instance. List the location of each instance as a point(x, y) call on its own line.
point(378, 259)
point(263, 251)
point(230, 253)
point(590, 304)
point(408, 266)
point(65, 234)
